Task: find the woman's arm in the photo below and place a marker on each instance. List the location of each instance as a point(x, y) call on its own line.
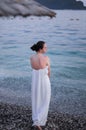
point(48, 63)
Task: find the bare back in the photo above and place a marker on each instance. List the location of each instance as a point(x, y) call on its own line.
point(39, 61)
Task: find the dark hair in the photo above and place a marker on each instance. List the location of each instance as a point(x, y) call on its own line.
point(39, 45)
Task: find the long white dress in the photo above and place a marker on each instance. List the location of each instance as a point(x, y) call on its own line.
point(41, 93)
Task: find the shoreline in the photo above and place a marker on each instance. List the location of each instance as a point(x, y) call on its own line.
point(18, 117)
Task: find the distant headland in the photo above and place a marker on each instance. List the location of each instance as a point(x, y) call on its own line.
point(63, 4)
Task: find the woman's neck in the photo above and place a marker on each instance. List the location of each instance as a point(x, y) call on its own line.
point(39, 53)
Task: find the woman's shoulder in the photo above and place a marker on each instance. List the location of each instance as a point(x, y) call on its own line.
point(47, 58)
point(32, 56)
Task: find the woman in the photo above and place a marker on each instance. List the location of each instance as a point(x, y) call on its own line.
point(41, 88)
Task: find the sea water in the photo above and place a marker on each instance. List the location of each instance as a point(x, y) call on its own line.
point(65, 36)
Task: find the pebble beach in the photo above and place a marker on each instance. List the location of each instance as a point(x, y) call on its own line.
point(14, 117)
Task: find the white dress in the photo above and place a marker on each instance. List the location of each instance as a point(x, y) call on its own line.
point(41, 93)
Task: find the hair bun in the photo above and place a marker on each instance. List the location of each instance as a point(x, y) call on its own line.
point(34, 47)
point(39, 45)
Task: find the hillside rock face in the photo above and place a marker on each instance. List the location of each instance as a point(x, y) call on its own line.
point(63, 4)
point(24, 8)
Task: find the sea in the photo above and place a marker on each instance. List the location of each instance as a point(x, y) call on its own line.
point(65, 36)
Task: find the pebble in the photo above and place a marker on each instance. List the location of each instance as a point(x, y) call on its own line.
point(13, 117)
